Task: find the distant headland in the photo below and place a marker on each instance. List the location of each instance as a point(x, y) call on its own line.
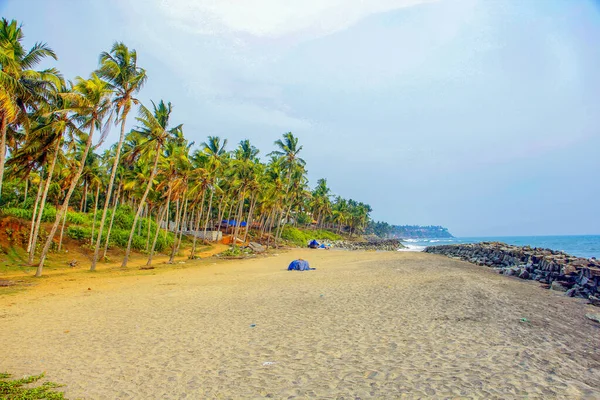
point(383, 229)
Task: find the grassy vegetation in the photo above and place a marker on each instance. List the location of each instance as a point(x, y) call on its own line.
point(79, 227)
point(21, 389)
point(301, 237)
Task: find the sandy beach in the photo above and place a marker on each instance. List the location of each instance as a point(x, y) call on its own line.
point(363, 325)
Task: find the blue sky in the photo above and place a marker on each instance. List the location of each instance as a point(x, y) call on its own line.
point(480, 116)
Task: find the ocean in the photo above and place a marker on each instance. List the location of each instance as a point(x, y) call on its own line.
point(582, 246)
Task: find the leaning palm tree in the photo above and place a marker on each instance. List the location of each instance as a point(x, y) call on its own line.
point(90, 101)
point(155, 129)
point(120, 68)
point(21, 88)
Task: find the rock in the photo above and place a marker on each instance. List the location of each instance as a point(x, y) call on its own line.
point(593, 317)
point(595, 301)
point(556, 285)
point(524, 274)
point(569, 269)
point(544, 265)
point(256, 247)
point(571, 292)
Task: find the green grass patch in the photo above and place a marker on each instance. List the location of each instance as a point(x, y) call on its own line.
point(301, 237)
point(22, 389)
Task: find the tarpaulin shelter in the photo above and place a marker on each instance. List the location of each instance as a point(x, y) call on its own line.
point(299, 265)
point(313, 244)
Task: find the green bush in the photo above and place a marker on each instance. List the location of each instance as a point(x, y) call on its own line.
point(302, 237)
point(78, 218)
point(79, 232)
point(49, 214)
point(25, 388)
point(80, 226)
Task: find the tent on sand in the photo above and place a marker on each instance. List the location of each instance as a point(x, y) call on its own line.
point(299, 265)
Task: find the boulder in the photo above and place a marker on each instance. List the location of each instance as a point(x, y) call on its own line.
point(593, 317)
point(571, 292)
point(524, 274)
point(595, 301)
point(256, 247)
point(556, 285)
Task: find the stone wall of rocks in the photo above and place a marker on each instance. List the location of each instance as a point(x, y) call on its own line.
point(381, 245)
point(574, 275)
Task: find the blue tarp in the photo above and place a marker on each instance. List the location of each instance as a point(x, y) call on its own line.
point(233, 222)
point(299, 265)
point(313, 244)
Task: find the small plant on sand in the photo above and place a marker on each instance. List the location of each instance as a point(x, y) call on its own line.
point(21, 389)
point(236, 252)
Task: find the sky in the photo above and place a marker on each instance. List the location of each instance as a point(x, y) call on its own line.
point(481, 116)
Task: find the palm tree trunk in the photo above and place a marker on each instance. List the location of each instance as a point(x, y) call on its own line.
point(38, 222)
point(62, 232)
point(249, 219)
point(197, 227)
point(112, 219)
point(95, 213)
point(287, 214)
point(178, 217)
point(63, 209)
point(238, 217)
point(184, 221)
point(222, 207)
point(34, 215)
point(160, 216)
point(3, 129)
point(111, 183)
point(83, 197)
point(208, 213)
point(139, 209)
point(274, 214)
point(149, 220)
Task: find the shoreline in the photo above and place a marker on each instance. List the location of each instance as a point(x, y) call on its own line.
point(364, 323)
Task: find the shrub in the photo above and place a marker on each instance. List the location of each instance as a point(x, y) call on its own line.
point(78, 218)
point(302, 237)
point(49, 214)
point(79, 232)
point(25, 389)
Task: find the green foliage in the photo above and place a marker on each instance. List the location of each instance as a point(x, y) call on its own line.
point(236, 252)
point(301, 237)
point(49, 215)
point(21, 389)
point(119, 237)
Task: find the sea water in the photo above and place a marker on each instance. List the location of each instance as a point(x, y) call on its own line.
point(582, 246)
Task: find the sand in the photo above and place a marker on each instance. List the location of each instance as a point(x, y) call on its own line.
point(363, 325)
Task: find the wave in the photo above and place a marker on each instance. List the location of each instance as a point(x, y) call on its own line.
point(412, 247)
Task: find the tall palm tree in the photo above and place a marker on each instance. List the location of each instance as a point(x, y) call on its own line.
point(214, 149)
point(90, 101)
point(155, 129)
point(119, 67)
point(21, 88)
point(288, 154)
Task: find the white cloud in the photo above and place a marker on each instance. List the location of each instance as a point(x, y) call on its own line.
point(274, 18)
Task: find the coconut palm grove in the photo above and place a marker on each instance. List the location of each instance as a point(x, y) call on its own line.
point(145, 191)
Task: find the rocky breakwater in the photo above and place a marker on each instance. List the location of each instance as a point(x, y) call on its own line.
point(381, 245)
point(575, 276)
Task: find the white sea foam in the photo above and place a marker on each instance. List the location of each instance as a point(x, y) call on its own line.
point(412, 247)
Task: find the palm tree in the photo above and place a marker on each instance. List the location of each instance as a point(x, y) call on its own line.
point(90, 101)
point(214, 149)
point(21, 88)
point(154, 127)
point(288, 154)
point(120, 68)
